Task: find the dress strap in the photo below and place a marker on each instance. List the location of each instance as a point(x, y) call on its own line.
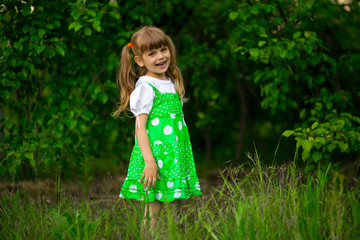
point(155, 89)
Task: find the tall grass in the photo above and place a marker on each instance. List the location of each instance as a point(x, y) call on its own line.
point(273, 202)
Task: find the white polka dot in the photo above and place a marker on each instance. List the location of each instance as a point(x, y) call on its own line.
point(172, 115)
point(160, 163)
point(158, 142)
point(168, 130)
point(155, 121)
point(180, 125)
point(170, 184)
point(177, 139)
point(197, 186)
point(184, 181)
point(121, 195)
point(165, 153)
point(133, 188)
point(177, 193)
point(175, 160)
point(158, 195)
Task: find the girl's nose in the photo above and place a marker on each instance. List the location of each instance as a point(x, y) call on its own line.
point(161, 55)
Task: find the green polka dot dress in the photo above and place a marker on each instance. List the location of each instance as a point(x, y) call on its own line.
point(171, 147)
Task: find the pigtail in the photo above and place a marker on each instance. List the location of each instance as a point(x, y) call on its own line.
point(125, 81)
point(179, 84)
point(174, 72)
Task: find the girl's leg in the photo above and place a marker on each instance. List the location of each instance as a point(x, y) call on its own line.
point(153, 211)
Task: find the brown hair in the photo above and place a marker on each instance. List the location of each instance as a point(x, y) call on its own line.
point(146, 39)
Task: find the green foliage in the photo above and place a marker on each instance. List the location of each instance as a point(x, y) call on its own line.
point(58, 79)
point(59, 60)
point(56, 83)
point(298, 72)
point(76, 225)
point(338, 131)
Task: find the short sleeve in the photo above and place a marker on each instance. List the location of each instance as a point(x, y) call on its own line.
point(141, 99)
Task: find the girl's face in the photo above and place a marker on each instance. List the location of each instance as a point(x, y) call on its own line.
point(156, 62)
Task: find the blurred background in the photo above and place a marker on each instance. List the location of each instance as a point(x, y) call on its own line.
point(281, 76)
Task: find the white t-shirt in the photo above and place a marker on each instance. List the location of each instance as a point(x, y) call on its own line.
point(141, 99)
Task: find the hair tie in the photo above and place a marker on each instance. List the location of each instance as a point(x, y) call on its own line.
point(130, 45)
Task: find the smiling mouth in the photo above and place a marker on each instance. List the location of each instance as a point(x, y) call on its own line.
point(161, 64)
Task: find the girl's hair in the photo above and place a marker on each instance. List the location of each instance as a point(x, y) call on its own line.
point(146, 39)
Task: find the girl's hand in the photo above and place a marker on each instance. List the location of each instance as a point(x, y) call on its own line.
point(151, 173)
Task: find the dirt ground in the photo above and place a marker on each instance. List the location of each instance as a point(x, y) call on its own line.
point(103, 191)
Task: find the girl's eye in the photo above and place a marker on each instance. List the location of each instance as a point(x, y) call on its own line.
point(164, 49)
point(150, 54)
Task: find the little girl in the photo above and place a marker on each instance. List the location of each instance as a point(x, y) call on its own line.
point(162, 167)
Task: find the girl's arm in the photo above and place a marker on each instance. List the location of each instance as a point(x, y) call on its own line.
point(151, 171)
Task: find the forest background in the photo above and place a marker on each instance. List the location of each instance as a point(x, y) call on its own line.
point(254, 71)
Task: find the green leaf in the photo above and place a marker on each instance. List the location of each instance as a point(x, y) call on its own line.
point(296, 35)
point(254, 10)
point(60, 51)
point(5, 94)
point(50, 53)
point(96, 26)
point(46, 92)
point(40, 49)
point(72, 25)
point(26, 10)
point(103, 97)
point(75, 25)
point(18, 45)
point(49, 26)
point(233, 15)
point(343, 146)
point(305, 155)
point(113, 4)
point(261, 43)
point(10, 153)
point(283, 53)
point(309, 34)
point(88, 31)
point(314, 125)
point(12, 63)
point(4, 44)
point(254, 52)
point(25, 28)
point(41, 33)
point(29, 65)
point(306, 145)
point(115, 15)
point(288, 133)
point(315, 156)
point(30, 156)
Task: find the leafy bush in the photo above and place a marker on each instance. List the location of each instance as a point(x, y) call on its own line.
point(301, 74)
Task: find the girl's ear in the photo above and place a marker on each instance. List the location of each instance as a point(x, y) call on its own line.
point(139, 61)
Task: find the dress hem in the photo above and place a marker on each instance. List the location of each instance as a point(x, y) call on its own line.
point(142, 200)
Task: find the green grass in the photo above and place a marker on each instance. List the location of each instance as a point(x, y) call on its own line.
point(265, 202)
